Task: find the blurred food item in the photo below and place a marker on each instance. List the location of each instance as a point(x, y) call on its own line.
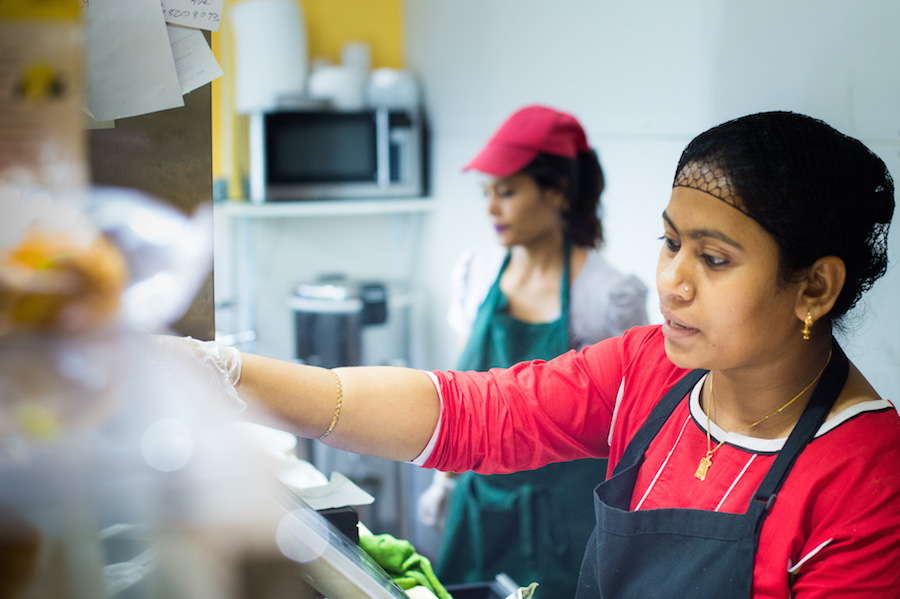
point(168, 254)
point(100, 434)
point(49, 282)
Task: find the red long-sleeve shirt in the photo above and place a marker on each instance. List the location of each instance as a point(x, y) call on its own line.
point(834, 530)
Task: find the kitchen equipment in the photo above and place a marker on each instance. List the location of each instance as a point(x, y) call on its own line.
point(271, 59)
point(392, 88)
point(326, 153)
point(343, 86)
point(345, 322)
point(357, 55)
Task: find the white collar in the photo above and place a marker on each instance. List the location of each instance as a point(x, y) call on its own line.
point(757, 445)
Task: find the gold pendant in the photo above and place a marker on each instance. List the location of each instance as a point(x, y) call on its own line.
point(702, 467)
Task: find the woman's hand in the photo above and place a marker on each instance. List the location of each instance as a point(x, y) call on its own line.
point(432, 506)
point(382, 411)
point(221, 363)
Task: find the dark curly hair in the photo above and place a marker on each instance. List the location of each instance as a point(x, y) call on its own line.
point(817, 191)
point(581, 181)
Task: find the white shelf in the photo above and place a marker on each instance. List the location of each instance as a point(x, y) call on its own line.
point(244, 209)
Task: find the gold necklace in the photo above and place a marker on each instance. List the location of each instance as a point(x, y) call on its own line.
point(706, 461)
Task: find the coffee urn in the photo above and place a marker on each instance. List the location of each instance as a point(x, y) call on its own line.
point(340, 321)
point(329, 315)
point(344, 322)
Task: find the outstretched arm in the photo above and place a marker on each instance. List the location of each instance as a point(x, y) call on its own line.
point(385, 411)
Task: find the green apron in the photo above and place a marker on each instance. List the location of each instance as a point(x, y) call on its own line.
point(532, 525)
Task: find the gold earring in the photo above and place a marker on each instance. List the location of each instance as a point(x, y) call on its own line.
point(807, 325)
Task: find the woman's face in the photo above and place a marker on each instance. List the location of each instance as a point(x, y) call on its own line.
point(718, 287)
point(520, 211)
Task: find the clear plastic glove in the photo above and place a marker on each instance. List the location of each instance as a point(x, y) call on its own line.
point(432, 506)
point(221, 362)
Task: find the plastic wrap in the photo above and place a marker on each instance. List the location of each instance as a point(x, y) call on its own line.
point(122, 472)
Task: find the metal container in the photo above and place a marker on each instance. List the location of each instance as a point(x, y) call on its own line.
point(342, 322)
point(329, 316)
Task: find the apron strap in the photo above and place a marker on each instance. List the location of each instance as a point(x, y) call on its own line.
point(820, 404)
point(566, 281)
point(661, 412)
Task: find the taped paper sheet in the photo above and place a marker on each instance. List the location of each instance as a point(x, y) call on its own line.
point(130, 68)
point(202, 14)
point(194, 61)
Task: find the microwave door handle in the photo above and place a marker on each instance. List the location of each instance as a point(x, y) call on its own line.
point(257, 151)
point(383, 148)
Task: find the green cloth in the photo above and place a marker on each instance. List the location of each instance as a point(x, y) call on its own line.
point(400, 560)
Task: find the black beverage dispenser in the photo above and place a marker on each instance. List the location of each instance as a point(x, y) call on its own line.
point(329, 316)
point(344, 322)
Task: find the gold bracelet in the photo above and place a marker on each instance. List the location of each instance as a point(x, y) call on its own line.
point(337, 408)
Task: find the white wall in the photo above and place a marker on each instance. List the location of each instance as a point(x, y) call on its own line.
point(645, 77)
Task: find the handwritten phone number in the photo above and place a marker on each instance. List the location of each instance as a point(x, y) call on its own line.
point(191, 14)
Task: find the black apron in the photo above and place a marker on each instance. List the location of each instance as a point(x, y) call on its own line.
point(531, 525)
point(696, 554)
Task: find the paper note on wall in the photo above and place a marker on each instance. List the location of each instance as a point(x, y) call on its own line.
point(202, 14)
point(130, 68)
point(194, 61)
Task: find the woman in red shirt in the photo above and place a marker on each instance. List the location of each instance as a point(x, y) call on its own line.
point(748, 457)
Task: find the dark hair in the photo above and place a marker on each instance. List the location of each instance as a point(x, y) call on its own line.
point(817, 191)
point(581, 182)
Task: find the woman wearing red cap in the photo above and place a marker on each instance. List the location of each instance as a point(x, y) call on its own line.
point(748, 457)
point(546, 290)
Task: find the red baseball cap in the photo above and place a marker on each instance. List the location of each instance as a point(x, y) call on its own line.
point(525, 134)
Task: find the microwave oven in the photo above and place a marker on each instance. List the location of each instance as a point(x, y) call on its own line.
point(319, 154)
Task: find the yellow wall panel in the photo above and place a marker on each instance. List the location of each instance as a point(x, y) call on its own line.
point(332, 23)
